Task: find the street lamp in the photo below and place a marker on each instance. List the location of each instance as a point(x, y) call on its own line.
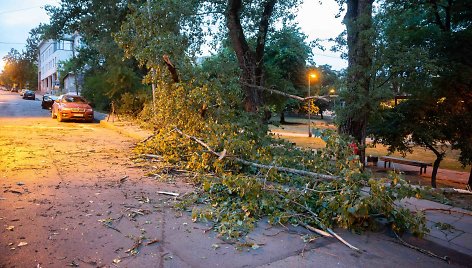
point(310, 75)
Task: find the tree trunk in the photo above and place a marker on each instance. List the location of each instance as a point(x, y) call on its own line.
point(250, 62)
point(282, 117)
point(358, 22)
point(321, 115)
point(469, 183)
point(435, 172)
point(439, 158)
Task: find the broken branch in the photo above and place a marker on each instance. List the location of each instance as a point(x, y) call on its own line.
point(152, 156)
point(278, 92)
point(245, 162)
point(424, 251)
point(316, 230)
point(168, 193)
point(315, 217)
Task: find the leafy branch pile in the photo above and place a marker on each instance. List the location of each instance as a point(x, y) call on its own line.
point(235, 195)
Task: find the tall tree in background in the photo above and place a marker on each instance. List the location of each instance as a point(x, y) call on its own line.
point(358, 21)
point(19, 70)
point(100, 56)
point(251, 59)
point(150, 33)
point(427, 56)
point(285, 68)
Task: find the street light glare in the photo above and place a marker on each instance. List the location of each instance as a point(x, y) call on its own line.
point(312, 75)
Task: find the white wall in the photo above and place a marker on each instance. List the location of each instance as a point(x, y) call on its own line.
point(50, 54)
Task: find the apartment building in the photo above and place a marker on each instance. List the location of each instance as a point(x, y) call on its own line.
point(51, 53)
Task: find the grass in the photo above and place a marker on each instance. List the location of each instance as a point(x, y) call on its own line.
point(298, 126)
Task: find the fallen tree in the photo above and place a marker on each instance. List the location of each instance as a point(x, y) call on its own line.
point(244, 174)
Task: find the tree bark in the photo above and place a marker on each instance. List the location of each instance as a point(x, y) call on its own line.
point(172, 69)
point(469, 183)
point(435, 172)
point(358, 22)
point(250, 62)
point(439, 158)
point(282, 117)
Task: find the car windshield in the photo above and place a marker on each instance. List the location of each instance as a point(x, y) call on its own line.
point(74, 99)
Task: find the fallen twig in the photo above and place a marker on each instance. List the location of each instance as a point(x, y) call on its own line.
point(148, 138)
point(455, 190)
point(124, 178)
point(135, 249)
point(168, 193)
point(315, 217)
point(152, 156)
point(152, 242)
point(245, 162)
point(316, 230)
point(111, 227)
point(424, 251)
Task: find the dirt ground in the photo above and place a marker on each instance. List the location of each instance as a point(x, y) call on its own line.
point(62, 184)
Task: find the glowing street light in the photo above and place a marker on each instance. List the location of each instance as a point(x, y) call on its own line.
point(310, 76)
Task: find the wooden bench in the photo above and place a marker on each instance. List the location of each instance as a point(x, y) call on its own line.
point(404, 161)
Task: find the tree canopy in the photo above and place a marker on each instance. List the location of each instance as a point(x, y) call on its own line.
point(423, 55)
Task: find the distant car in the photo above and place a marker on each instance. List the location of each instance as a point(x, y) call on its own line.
point(22, 91)
point(14, 90)
point(29, 94)
point(47, 101)
point(71, 107)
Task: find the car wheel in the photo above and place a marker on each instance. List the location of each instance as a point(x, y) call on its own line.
point(53, 116)
point(59, 117)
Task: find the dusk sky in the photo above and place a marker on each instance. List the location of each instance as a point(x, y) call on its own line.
point(17, 18)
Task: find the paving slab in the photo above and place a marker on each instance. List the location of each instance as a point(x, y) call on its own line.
point(464, 241)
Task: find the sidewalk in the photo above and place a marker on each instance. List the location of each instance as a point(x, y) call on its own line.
point(450, 228)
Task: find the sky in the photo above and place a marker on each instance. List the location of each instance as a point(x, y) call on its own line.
point(18, 17)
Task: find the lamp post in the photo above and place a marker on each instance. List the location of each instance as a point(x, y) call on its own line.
point(310, 75)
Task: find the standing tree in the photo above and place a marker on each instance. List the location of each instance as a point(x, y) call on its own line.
point(285, 68)
point(426, 52)
point(19, 70)
point(155, 28)
point(260, 15)
point(99, 57)
point(357, 110)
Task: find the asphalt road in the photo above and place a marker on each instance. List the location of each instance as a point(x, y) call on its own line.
point(72, 194)
point(13, 105)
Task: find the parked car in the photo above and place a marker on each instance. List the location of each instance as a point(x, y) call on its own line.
point(14, 89)
point(48, 100)
point(29, 94)
point(71, 107)
point(22, 91)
